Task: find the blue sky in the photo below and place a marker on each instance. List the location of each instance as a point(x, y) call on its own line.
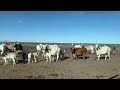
point(60, 26)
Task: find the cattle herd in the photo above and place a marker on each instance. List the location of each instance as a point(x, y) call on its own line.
point(51, 52)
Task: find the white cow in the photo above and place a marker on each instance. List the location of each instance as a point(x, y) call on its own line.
point(102, 50)
point(9, 55)
point(43, 50)
point(90, 48)
point(51, 50)
point(38, 47)
point(32, 56)
point(2, 46)
point(77, 46)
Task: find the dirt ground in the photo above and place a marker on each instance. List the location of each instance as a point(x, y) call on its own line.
point(67, 68)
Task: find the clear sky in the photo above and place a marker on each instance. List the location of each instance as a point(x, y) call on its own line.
point(60, 26)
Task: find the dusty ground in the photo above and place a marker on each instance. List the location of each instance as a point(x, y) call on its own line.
point(65, 69)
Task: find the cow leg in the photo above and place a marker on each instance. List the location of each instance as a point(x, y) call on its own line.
point(16, 59)
point(106, 57)
point(5, 62)
point(109, 55)
point(83, 56)
point(98, 57)
point(47, 60)
point(43, 55)
point(54, 57)
point(50, 59)
point(35, 60)
point(14, 62)
point(72, 55)
point(57, 57)
point(28, 61)
point(32, 61)
point(92, 52)
point(76, 57)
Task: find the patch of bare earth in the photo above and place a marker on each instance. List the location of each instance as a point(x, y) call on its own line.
point(65, 69)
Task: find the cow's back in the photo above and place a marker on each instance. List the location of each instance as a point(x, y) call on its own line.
point(105, 49)
point(89, 47)
point(80, 51)
point(54, 50)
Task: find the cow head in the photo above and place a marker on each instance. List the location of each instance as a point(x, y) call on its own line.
point(98, 48)
point(3, 53)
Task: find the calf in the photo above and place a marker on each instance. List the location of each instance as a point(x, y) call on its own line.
point(7, 56)
point(32, 56)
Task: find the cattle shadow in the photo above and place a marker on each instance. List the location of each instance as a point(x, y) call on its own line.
point(64, 58)
point(85, 58)
point(41, 60)
point(22, 62)
point(23, 59)
point(82, 58)
point(102, 58)
point(114, 77)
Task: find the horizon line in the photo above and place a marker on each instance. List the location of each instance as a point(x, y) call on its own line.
point(57, 42)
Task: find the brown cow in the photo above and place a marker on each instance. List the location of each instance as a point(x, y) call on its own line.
point(10, 46)
point(79, 52)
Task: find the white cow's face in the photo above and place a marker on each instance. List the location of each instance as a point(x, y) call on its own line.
point(43, 48)
point(97, 53)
